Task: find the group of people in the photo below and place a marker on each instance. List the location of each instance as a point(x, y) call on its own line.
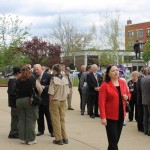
point(108, 93)
point(105, 96)
point(140, 99)
point(53, 88)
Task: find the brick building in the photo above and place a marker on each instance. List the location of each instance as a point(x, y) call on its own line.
point(133, 32)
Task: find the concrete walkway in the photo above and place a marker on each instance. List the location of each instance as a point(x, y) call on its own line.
point(84, 133)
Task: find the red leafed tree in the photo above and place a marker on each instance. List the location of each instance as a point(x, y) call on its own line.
point(41, 52)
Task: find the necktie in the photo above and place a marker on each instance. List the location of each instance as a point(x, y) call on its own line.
point(96, 79)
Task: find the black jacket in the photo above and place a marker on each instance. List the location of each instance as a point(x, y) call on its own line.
point(45, 81)
point(92, 82)
point(12, 95)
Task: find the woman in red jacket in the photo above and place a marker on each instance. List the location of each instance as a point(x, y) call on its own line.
point(113, 95)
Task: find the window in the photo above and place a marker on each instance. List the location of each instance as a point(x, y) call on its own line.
point(130, 34)
point(130, 44)
point(148, 32)
point(139, 33)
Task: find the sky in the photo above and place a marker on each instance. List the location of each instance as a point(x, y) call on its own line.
point(43, 14)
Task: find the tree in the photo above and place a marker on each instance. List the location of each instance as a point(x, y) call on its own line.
point(12, 33)
point(109, 34)
point(70, 38)
point(146, 53)
point(40, 52)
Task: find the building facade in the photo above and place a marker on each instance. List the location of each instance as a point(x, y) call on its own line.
point(133, 32)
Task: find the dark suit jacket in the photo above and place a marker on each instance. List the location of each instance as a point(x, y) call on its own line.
point(79, 76)
point(92, 82)
point(12, 95)
point(45, 81)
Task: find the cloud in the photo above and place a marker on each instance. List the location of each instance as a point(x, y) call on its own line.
point(83, 13)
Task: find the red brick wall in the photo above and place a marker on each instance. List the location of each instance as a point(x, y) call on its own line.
point(134, 27)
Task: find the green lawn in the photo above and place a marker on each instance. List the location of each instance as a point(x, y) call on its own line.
point(75, 81)
point(3, 80)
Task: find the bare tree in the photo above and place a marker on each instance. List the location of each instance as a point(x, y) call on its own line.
point(70, 38)
point(110, 34)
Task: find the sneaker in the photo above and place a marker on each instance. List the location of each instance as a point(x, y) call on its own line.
point(23, 142)
point(32, 142)
point(60, 142)
point(65, 141)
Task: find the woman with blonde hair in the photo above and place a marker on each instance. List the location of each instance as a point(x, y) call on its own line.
point(132, 84)
point(28, 113)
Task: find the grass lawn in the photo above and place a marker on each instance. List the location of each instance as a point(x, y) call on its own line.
point(75, 81)
point(3, 81)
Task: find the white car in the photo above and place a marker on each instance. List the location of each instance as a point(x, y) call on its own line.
point(74, 73)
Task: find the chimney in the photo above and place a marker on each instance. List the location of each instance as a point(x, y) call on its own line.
point(129, 22)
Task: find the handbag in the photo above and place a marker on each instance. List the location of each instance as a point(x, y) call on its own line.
point(128, 109)
point(35, 97)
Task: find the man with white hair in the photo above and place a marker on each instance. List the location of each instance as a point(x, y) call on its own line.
point(44, 79)
point(94, 81)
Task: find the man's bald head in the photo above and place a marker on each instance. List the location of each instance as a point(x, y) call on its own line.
point(83, 68)
point(38, 69)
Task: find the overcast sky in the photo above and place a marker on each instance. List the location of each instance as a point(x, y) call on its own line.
point(43, 14)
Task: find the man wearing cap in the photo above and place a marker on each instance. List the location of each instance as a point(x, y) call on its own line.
point(14, 133)
point(69, 77)
point(58, 91)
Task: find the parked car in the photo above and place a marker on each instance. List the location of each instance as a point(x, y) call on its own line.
point(8, 74)
point(99, 72)
point(74, 73)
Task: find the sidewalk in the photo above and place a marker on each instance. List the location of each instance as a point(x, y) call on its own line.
point(83, 132)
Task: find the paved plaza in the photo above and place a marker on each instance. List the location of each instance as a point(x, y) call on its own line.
point(83, 132)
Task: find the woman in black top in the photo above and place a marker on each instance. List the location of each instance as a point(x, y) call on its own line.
point(28, 113)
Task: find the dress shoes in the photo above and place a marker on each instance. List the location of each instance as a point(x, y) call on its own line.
point(97, 115)
point(70, 109)
point(130, 120)
point(82, 113)
point(39, 133)
point(60, 142)
point(92, 116)
point(13, 136)
point(52, 134)
point(141, 130)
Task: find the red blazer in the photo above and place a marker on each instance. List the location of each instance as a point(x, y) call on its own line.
point(109, 99)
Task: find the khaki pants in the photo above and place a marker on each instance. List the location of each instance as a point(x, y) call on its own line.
point(28, 115)
point(69, 98)
point(57, 110)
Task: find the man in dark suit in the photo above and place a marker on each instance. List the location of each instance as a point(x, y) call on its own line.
point(94, 81)
point(83, 69)
point(139, 101)
point(145, 86)
point(44, 79)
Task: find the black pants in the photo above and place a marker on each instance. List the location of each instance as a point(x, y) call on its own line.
point(93, 104)
point(44, 110)
point(133, 105)
point(140, 117)
point(80, 92)
point(146, 119)
point(113, 129)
